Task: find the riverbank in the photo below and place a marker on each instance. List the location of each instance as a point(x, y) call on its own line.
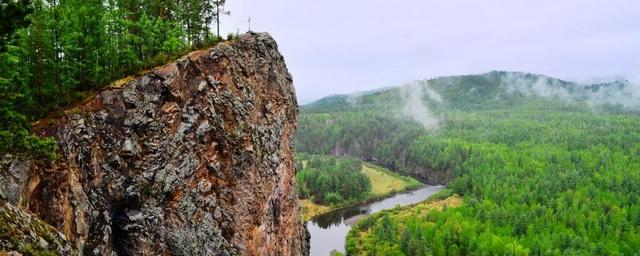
point(384, 183)
point(360, 236)
point(329, 231)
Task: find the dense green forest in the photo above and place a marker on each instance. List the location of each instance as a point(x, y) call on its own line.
point(544, 166)
point(53, 51)
point(330, 180)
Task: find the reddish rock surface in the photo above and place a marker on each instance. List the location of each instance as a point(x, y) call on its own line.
point(193, 158)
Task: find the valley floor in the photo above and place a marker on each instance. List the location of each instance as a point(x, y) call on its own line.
point(384, 183)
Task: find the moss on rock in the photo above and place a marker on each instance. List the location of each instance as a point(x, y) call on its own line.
point(23, 233)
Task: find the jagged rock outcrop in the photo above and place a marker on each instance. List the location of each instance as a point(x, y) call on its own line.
point(192, 158)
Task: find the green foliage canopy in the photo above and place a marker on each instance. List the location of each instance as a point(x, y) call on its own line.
point(330, 180)
point(54, 51)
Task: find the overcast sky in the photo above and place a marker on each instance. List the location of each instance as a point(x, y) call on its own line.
point(343, 46)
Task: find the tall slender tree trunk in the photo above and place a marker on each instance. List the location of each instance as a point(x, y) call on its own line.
point(56, 53)
point(218, 18)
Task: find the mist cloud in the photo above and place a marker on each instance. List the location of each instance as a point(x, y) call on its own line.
point(617, 93)
point(415, 109)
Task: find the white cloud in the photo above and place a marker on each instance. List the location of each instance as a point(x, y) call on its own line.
point(346, 46)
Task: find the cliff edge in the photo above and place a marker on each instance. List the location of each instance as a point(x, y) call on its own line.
point(192, 158)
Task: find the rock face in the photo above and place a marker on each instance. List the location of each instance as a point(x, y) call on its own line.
point(431, 176)
point(423, 174)
point(193, 158)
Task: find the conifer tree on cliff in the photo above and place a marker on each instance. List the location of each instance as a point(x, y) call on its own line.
point(55, 51)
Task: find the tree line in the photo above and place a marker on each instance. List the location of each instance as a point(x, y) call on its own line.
point(54, 51)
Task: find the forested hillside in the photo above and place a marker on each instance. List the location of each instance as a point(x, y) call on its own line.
point(498, 107)
point(545, 166)
point(52, 52)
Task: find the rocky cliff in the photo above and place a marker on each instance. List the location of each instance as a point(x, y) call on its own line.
point(192, 158)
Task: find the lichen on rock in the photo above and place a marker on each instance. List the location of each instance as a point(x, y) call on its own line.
point(23, 234)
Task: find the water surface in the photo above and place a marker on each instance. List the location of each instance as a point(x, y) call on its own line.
point(329, 231)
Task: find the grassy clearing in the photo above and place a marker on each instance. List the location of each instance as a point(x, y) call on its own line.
point(422, 209)
point(384, 183)
point(308, 209)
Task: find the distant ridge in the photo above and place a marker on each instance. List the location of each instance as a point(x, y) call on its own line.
point(500, 84)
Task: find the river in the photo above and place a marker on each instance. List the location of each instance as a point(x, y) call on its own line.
point(329, 231)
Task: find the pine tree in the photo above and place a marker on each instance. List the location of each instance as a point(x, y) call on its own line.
point(13, 15)
point(55, 50)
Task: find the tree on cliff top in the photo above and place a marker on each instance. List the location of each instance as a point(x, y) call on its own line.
point(56, 50)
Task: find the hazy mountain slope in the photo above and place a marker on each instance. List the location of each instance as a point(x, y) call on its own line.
point(496, 89)
point(381, 126)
